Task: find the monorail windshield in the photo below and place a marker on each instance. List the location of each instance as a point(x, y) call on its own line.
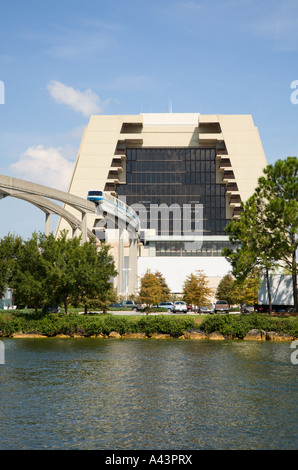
point(95, 193)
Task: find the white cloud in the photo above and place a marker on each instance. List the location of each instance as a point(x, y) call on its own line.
point(44, 166)
point(85, 102)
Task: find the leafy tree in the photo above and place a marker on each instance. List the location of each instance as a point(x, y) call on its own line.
point(250, 289)
point(246, 291)
point(94, 279)
point(166, 292)
point(196, 290)
point(279, 189)
point(252, 242)
point(150, 291)
point(225, 289)
point(10, 246)
point(78, 273)
point(63, 261)
point(45, 270)
point(29, 280)
point(268, 225)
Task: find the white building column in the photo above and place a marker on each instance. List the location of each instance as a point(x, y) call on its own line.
point(120, 287)
point(84, 227)
point(133, 265)
point(75, 232)
point(48, 224)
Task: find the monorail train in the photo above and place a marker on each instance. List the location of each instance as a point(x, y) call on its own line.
point(114, 206)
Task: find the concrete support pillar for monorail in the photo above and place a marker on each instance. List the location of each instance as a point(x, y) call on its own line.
point(48, 224)
point(84, 227)
point(133, 265)
point(120, 287)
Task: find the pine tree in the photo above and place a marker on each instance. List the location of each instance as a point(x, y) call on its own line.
point(268, 226)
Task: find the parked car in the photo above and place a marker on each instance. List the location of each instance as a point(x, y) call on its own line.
point(168, 305)
point(127, 304)
point(204, 309)
point(115, 306)
point(245, 308)
point(139, 307)
point(221, 306)
point(180, 307)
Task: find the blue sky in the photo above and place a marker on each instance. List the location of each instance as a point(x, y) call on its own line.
point(61, 61)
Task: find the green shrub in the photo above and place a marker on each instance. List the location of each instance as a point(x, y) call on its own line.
point(119, 324)
point(237, 326)
point(164, 324)
point(232, 326)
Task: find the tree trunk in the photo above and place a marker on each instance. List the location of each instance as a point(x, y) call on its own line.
point(269, 291)
point(65, 306)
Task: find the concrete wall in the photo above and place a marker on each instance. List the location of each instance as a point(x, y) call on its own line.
point(176, 269)
point(245, 151)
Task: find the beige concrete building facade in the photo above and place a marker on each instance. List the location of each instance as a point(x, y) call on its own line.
point(211, 161)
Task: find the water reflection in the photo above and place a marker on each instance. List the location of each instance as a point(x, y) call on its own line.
point(146, 394)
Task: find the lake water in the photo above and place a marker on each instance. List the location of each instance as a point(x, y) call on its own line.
point(96, 394)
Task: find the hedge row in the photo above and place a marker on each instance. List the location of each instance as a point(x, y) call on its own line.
point(231, 326)
point(54, 324)
point(237, 326)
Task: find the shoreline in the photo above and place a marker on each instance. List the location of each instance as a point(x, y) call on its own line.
point(256, 327)
point(252, 335)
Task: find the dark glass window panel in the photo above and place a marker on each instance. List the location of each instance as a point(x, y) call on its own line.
point(175, 175)
point(203, 178)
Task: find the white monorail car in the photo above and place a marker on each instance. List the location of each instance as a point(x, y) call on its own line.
point(114, 206)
